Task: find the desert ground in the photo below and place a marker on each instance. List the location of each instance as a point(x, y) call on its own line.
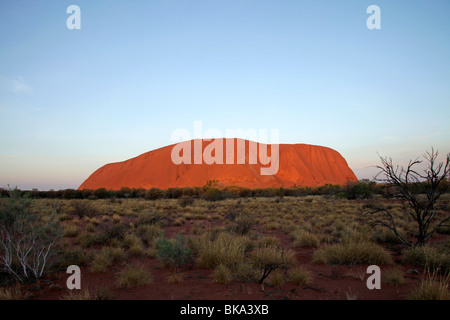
point(313, 247)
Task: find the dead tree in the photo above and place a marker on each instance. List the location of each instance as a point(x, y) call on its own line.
point(418, 192)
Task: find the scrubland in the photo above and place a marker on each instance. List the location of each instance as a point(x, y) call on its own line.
point(309, 247)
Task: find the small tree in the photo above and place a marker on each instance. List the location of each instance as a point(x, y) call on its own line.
point(26, 239)
point(419, 193)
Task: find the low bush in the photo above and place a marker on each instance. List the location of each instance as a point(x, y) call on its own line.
point(173, 251)
point(428, 257)
point(306, 239)
point(83, 208)
point(225, 248)
point(432, 288)
point(352, 252)
point(222, 274)
point(270, 258)
point(133, 276)
point(299, 276)
point(214, 194)
point(186, 200)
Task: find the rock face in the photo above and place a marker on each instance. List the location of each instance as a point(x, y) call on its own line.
point(223, 160)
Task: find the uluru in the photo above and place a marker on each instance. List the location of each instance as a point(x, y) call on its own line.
point(241, 163)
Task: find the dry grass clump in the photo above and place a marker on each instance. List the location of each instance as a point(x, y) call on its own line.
point(225, 248)
point(149, 233)
point(432, 288)
point(277, 279)
point(270, 258)
point(299, 276)
point(429, 257)
point(105, 258)
point(100, 293)
point(305, 239)
point(134, 243)
point(222, 274)
point(70, 230)
point(352, 252)
point(133, 276)
point(176, 277)
point(14, 292)
point(393, 276)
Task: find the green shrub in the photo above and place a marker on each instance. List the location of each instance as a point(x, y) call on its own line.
point(175, 251)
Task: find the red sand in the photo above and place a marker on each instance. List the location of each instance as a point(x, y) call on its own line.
point(299, 164)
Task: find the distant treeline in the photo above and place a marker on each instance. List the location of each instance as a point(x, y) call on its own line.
point(363, 189)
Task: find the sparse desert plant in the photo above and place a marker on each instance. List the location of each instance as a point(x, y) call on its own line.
point(14, 292)
point(175, 277)
point(419, 193)
point(149, 233)
point(186, 200)
point(179, 221)
point(70, 230)
point(150, 217)
point(385, 235)
point(299, 276)
point(428, 257)
point(83, 208)
point(243, 225)
point(116, 231)
point(245, 272)
point(393, 276)
point(74, 257)
point(225, 249)
point(27, 238)
point(277, 279)
point(352, 252)
point(133, 276)
point(306, 239)
point(268, 241)
point(222, 274)
point(432, 288)
point(270, 258)
point(105, 258)
point(214, 194)
point(174, 251)
point(100, 293)
point(131, 239)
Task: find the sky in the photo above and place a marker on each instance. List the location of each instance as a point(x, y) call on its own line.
point(72, 100)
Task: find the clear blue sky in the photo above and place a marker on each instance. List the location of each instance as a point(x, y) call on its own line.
point(74, 100)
